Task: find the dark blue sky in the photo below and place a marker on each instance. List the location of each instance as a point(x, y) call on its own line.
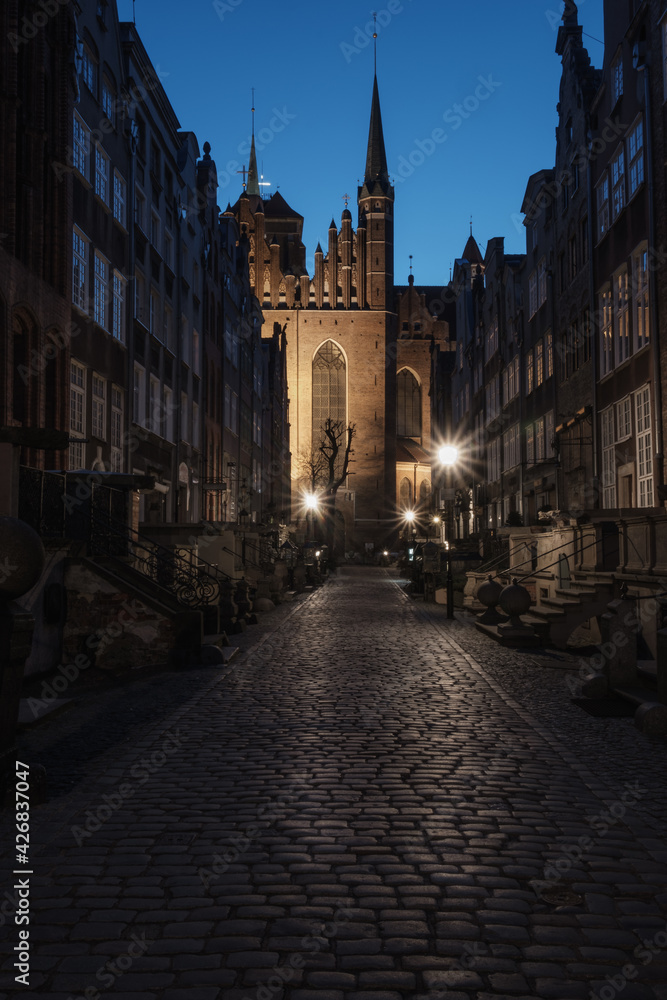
point(468, 94)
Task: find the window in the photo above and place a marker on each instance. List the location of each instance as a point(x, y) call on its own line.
point(618, 183)
point(101, 175)
point(89, 70)
point(99, 408)
point(168, 413)
point(644, 449)
point(119, 199)
point(511, 447)
point(116, 429)
point(185, 430)
point(539, 363)
point(548, 355)
point(155, 405)
point(491, 344)
point(139, 396)
point(603, 207)
point(624, 419)
point(79, 277)
point(169, 250)
point(140, 297)
point(118, 309)
point(539, 440)
point(530, 373)
point(100, 280)
point(405, 494)
point(329, 391)
point(80, 146)
point(77, 398)
point(641, 302)
point(621, 317)
point(195, 425)
point(532, 294)
point(549, 433)
point(140, 209)
point(608, 458)
point(542, 281)
point(493, 460)
point(408, 405)
point(493, 398)
point(617, 79)
point(636, 156)
point(606, 343)
point(108, 101)
point(530, 444)
point(154, 324)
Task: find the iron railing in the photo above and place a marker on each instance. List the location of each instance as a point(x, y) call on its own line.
point(194, 582)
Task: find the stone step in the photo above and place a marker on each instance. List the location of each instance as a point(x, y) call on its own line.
point(562, 603)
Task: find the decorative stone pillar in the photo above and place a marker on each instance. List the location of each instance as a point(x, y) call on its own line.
point(489, 594)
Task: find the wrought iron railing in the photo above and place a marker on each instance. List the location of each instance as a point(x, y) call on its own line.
point(190, 579)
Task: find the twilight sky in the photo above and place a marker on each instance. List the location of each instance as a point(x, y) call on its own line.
point(311, 65)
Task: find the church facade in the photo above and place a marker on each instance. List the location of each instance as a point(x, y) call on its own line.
point(358, 347)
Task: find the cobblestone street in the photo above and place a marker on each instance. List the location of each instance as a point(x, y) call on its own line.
point(357, 809)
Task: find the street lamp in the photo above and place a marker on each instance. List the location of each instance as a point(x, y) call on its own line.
point(312, 503)
point(448, 456)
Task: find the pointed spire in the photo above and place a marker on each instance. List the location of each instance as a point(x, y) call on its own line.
point(376, 157)
point(253, 175)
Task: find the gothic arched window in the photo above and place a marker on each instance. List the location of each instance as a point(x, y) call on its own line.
point(424, 491)
point(408, 405)
point(328, 387)
point(405, 494)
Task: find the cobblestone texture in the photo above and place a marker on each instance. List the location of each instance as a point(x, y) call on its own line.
point(359, 809)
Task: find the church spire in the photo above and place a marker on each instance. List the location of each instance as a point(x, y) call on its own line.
point(376, 157)
point(253, 175)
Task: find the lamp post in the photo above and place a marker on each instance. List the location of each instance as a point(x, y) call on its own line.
point(448, 456)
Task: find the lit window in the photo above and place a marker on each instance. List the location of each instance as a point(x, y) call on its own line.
point(636, 156)
point(621, 317)
point(539, 440)
point(548, 355)
point(99, 408)
point(641, 302)
point(606, 343)
point(539, 363)
point(618, 183)
point(79, 265)
point(116, 429)
point(101, 175)
point(530, 373)
point(100, 291)
point(530, 444)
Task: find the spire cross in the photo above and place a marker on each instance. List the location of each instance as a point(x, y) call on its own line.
point(346, 198)
point(244, 171)
point(375, 42)
point(253, 113)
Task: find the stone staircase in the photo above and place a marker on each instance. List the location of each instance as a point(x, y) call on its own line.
point(570, 607)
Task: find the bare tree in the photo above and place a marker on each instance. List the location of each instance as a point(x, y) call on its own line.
point(336, 451)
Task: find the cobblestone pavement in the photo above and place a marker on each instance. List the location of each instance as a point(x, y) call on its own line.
point(357, 811)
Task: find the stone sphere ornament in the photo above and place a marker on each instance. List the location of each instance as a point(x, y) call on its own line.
point(515, 601)
point(489, 593)
point(21, 558)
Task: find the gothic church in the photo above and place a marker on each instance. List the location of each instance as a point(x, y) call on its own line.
point(358, 346)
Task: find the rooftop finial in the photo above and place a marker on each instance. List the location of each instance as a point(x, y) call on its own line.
point(253, 112)
point(410, 263)
point(471, 225)
point(375, 42)
point(346, 198)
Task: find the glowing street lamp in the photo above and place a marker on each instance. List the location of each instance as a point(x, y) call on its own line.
point(448, 456)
